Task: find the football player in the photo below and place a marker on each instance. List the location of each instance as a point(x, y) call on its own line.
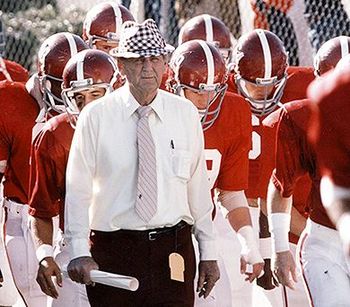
point(102, 25)
point(20, 105)
point(210, 29)
point(330, 97)
point(263, 78)
point(323, 263)
point(199, 74)
point(87, 76)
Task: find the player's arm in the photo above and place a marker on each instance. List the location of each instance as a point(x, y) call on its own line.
point(42, 207)
point(297, 222)
point(239, 218)
point(232, 180)
point(279, 208)
point(42, 230)
point(288, 169)
point(267, 281)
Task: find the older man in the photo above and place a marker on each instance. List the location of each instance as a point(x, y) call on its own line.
point(137, 184)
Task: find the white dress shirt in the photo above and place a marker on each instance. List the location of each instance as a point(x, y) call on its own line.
point(103, 167)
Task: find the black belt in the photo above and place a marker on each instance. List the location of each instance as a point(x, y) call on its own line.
point(151, 234)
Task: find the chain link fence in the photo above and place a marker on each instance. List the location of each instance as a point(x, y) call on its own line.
point(303, 25)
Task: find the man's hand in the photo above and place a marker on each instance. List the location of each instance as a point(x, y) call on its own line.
point(48, 268)
point(268, 280)
point(256, 271)
point(79, 269)
point(209, 274)
point(284, 269)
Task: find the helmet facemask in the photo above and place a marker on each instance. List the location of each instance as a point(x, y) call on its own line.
point(52, 101)
point(207, 117)
point(77, 86)
point(109, 38)
point(271, 100)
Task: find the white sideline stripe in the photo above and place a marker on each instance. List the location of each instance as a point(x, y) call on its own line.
point(267, 53)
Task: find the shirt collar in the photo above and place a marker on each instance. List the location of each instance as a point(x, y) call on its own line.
point(131, 103)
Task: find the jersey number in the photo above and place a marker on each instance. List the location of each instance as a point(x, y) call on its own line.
point(256, 140)
point(213, 159)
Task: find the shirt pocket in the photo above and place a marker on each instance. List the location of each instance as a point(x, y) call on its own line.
point(181, 163)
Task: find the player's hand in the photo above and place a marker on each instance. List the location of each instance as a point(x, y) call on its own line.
point(47, 269)
point(255, 272)
point(267, 281)
point(209, 274)
point(79, 269)
point(284, 269)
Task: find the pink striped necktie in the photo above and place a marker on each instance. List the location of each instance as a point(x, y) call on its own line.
point(146, 200)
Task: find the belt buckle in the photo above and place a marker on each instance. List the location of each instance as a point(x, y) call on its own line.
point(152, 235)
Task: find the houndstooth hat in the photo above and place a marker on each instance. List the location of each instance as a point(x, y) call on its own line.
point(141, 40)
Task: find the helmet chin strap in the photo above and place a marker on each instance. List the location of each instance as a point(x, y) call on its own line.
point(202, 113)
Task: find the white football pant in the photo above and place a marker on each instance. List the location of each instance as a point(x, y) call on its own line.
point(72, 293)
point(324, 266)
point(8, 292)
point(21, 254)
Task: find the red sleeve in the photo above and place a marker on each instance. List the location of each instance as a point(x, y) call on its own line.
point(333, 146)
point(288, 152)
point(4, 142)
point(17, 72)
point(330, 128)
point(44, 195)
point(234, 170)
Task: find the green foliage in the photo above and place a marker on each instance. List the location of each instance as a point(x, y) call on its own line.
point(26, 30)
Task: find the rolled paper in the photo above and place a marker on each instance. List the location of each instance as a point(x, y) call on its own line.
point(110, 279)
point(114, 280)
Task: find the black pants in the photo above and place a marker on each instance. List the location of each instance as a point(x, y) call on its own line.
point(146, 257)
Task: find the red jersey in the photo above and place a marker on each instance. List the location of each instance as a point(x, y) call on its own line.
point(227, 143)
point(49, 160)
point(295, 157)
point(262, 155)
point(17, 117)
point(331, 95)
point(15, 71)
